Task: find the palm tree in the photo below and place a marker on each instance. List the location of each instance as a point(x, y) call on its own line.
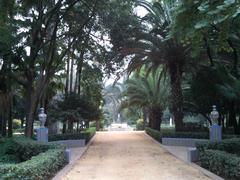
point(149, 93)
point(154, 46)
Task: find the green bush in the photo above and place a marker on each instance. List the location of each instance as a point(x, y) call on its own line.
point(9, 158)
point(87, 135)
point(222, 158)
point(22, 158)
point(26, 148)
point(229, 145)
point(222, 163)
point(140, 124)
point(154, 134)
point(16, 124)
point(39, 167)
point(20, 130)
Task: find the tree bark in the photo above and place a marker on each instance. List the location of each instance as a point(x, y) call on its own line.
point(156, 118)
point(32, 100)
point(175, 72)
point(67, 78)
point(80, 66)
point(144, 112)
point(10, 131)
point(233, 118)
point(4, 125)
point(64, 128)
point(30, 110)
point(71, 75)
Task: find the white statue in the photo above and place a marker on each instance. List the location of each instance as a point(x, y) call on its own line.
point(214, 115)
point(42, 117)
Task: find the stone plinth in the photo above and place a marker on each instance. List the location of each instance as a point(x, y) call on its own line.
point(42, 135)
point(215, 133)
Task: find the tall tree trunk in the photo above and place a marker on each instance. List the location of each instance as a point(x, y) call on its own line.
point(156, 117)
point(71, 75)
point(29, 116)
point(10, 131)
point(32, 100)
point(175, 72)
point(80, 66)
point(144, 112)
point(98, 126)
point(67, 78)
point(233, 118)
point(64, 128)
point(1, 122)
point(4, 124)
point(4, 104)
point(70, 125)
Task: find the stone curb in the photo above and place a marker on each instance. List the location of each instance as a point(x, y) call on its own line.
point(204, 171)
point(63, 172)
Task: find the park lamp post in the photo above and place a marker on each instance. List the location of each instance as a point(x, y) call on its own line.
point(42, 132)
point(215, 129)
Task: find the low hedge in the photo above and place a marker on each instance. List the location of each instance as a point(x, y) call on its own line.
point(20, 149)
point(221, 163)
point(87, 135)
point(27, 148)
point(229, 145)
point(27, 159)
point(222, 158)
point(39, 167)
point(154, 134)
point(172, 134)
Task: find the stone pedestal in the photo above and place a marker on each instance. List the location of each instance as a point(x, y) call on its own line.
point(215, 132)
point(68, 155)
point(42, 135)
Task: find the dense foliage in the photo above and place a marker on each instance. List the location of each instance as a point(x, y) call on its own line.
point(221, 158)
point(23, 158)
point(87, 135)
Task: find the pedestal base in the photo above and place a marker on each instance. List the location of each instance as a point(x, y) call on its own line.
point(42, 135)
point(215, 133)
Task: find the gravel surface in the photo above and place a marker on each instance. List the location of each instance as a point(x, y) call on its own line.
point(129, 156)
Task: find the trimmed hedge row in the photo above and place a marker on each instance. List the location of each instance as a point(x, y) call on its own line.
point(229, 145)
point(38, 167)
point(154, 134)
point(195, 135)
point(222, 163)
point(222, 158)
point(87, 135)
point(36, 161)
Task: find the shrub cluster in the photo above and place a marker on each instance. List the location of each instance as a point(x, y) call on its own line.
point(154, 134)
point(31, 160)
point(87, 135)
point(140, 124)
point(222, 158)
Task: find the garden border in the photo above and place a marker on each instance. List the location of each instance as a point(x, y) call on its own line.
point(63, 172)
point(204, 171)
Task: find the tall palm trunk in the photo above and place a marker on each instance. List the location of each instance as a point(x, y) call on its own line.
point(155, 117)
point(175, 72)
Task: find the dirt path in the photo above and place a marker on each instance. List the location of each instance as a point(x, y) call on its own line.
point(129, 156)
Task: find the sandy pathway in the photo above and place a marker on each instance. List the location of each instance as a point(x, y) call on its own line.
point(129, 156)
